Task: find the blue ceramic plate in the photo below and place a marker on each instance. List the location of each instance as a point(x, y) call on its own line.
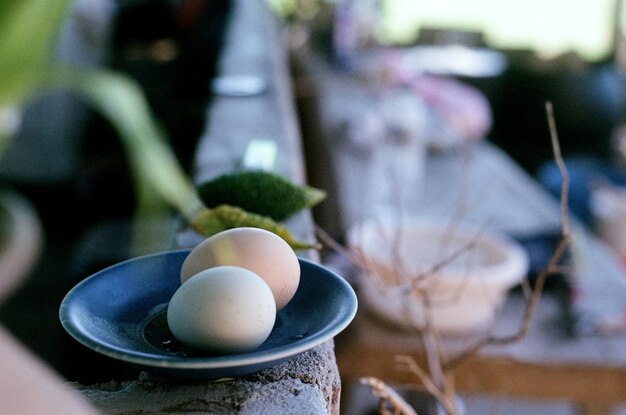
point(120, 312)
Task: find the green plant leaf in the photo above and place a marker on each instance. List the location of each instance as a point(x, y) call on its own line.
point(28, 29)
point(211, 221)
point(120, 99)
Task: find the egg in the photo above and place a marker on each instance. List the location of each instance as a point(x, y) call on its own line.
point(258, 250)
point(222, 310)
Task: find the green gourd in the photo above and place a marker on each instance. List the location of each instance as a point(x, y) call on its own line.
point(261, 192)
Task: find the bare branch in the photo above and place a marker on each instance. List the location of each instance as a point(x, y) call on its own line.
point(388, 395)
point(552, 267)
point(410, 364)
point(556, 148)
point(336, 246)
point(435, 379)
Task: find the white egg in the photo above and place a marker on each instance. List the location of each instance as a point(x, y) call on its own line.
point(223, 309)
point(258, 250)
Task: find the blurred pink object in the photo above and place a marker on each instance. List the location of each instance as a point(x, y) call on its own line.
point(460, 112)
point(461, 106)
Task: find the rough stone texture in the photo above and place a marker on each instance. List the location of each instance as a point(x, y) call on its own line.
point(306, 384)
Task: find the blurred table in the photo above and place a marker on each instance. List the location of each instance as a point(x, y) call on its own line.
point(589, 370)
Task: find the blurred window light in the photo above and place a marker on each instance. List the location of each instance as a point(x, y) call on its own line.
point(548, 27)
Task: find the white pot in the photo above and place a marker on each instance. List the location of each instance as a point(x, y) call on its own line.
point(608, 206)
point(463, 272)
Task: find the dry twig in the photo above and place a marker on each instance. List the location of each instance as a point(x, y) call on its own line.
point(552, 267)
point(388, 397)
point(435, 379)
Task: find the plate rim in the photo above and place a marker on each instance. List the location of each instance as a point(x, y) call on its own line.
point(230, 361)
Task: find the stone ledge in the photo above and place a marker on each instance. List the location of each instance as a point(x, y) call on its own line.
point(307, 384)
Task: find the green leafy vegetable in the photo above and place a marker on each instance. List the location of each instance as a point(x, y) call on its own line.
point(260, 192)
point(224, 217)
point(28, 29)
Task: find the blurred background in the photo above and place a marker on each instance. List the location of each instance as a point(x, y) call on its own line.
point(516, 56)
point(519, 54)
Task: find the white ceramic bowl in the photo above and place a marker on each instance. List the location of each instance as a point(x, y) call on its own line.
point(464, 273)
point(608, 206)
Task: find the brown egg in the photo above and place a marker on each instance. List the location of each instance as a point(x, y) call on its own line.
point(255, 249)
